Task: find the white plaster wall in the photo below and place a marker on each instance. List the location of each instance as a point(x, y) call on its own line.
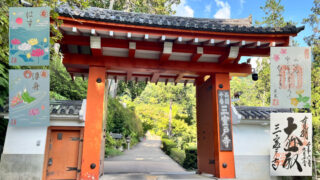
point(25, 140)
point(66, 123)
point(251, 149)
point(251, 140)
point(30, 140)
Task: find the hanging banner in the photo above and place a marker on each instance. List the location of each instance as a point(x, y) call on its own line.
point(225, 120)
point(290, 76)
point(29, 36)
point(29, 97)
point(291, 144)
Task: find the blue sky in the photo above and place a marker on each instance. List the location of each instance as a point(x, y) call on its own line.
point(295, 10)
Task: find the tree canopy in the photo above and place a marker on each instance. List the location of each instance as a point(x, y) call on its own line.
point(313, 40)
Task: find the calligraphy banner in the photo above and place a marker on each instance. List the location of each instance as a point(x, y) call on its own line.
point(291, 144)
point(225, 120)
point(29, 36)
point(290, 76)
point(29, 97)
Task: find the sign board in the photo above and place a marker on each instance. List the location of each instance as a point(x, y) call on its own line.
point(290, 77)
point(29, 97)
point(225, 120)
point(29, 36)
point(291, 144)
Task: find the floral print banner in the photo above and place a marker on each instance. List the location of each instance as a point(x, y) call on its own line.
point(29, 97)
point(29, 33)
point(290, 73)
point(291, 144)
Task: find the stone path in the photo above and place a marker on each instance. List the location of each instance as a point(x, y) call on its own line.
point(146, 161)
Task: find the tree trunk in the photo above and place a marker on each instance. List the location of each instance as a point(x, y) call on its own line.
point(127, 6)
point(111, 4)
point(170, 118)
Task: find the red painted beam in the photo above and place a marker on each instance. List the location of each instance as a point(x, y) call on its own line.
point(166, 82)
point(139, 64)
point(164, 57)
point(185, 83)
point(96, 52)
point(129, 76)
point(179, 77)
point(223, 58)
point(155, 77)
point(132, 49)
point(132, 52)
point(236, 61)
point(156, 46)
point(195, 57)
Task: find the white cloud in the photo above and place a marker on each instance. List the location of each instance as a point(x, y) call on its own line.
point(241, 3)
point(224, 10)
point(241, 6)
point(207, 8)
point(254, 62)
point(183, 9)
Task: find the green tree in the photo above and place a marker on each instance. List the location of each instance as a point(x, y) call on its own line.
point(62, 86)
point(261, 89)
point(243, 91)
point(142, 6)
point(153, 108)
point(273, 10)
point(262, 86)
point(313, 40)
point(130, 88)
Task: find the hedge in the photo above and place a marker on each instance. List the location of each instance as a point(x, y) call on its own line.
point(167, 145)
point(177, 155)
point(190, 162)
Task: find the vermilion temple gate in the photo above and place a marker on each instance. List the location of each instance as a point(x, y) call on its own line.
point(101, 44)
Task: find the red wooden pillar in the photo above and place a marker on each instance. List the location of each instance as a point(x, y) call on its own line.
point(94, 124)
point(213, 156)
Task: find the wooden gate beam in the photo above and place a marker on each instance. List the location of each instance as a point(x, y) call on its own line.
point(136, 64)
point(90, 166)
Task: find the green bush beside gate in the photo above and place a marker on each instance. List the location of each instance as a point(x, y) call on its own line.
point(186, 158)
point(167, 145)
point(190, 162)
point(178, 155)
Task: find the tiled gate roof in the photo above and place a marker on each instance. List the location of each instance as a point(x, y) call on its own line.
point(258, 113)
point(165, 21)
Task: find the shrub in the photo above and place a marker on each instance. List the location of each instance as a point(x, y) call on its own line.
point(165, 136)
point(167, 144)
point(111, 151)
point(190, 162)
point(177, 155)
point(123, 120)
point(110, 142)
